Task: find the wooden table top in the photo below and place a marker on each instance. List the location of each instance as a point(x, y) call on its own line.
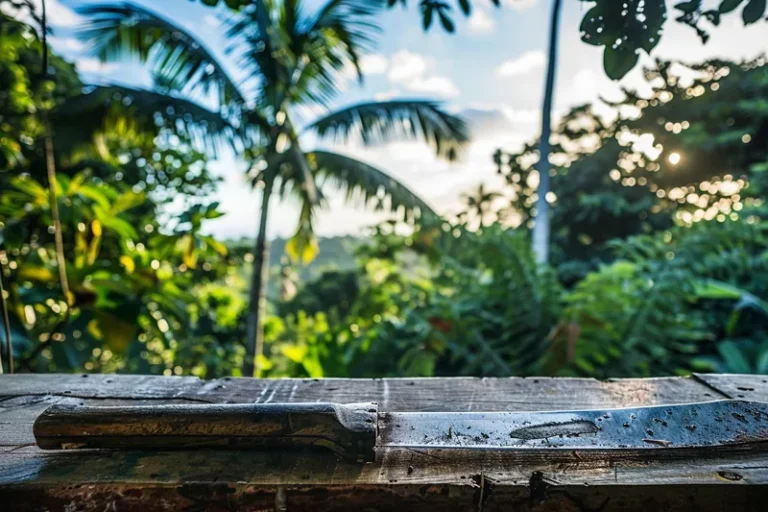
point(403, 479)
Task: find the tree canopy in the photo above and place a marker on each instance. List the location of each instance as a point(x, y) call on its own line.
point(659, 234)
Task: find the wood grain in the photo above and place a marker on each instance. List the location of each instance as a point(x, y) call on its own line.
point(31, 479)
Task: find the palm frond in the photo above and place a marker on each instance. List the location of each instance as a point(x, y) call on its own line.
point(366, 185)
point(119, 30)
point(328, 45)
point(263, 54)
point(301, 57)
point(378, 122)
point(148, 110)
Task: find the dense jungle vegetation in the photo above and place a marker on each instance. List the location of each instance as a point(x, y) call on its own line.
point(659, 242)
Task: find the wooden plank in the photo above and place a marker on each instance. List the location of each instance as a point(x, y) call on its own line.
point(463, 394)
point(748, 387)
point(130, 387)
point(28, 466)
point(438, 394)
point(402, 479)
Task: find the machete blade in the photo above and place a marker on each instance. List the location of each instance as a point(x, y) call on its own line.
point(695, 425)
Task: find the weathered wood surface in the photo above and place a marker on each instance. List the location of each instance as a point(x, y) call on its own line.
point(31, 479)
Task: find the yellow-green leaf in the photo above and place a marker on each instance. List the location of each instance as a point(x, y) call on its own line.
point(127, 263)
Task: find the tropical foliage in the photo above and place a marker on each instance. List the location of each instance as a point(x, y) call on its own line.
point(624, 29)
point(292, 58)
point(659, 262)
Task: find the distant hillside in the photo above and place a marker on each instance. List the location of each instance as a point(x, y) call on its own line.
point(335, 253)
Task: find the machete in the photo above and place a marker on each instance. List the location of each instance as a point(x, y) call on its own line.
point(355, 431)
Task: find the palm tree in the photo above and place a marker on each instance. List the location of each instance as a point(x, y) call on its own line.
point(479, 203)
point(292, 57)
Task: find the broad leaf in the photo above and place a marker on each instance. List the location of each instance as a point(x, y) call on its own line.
point(734, 357)
point(729, 5)
point(753, 11)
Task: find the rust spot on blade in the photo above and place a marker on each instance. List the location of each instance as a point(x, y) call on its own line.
point(730, 475)
point(546, 430)
point(660, 442)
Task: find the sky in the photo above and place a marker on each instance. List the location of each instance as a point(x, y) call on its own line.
point(491, 71)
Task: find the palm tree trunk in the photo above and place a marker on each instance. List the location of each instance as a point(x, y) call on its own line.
point(257, 299)
point(541, 228)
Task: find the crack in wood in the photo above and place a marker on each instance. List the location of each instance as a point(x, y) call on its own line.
point(66, 394)
point(709, 385)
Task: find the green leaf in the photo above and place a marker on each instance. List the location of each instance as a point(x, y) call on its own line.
point(123, 228)
point(762, 359)
point(126, 201)
point(753, 11)
point(427, 17)
point(619, 61)
point(729, 6)
point(446, 21)
point(217, 246)
point(65, 355)
point(733, 357)
point(302, 248)
point(711, 289)
point(688, 7)
point(95, 195)
point(465, 6)
point(32, 188)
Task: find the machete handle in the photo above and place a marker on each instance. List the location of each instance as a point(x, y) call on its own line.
point(348, 430)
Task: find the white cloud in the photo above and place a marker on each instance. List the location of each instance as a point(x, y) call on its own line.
point(582, 87)
point(374, 64)
point(480, 22)
point(91, 65)
point(522, 65)
point(58, 15)
point(211, 20)
point(66, 44)
point(411, 71)
point(434, 85)
point(585, 82)
point(521, 115)
point(406, 66)
point(519, 5)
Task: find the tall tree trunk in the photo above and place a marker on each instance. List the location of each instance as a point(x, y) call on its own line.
point(257, 300)
point(50, 165)
point(6, 327)
point(541, 228)
point(61, 262)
